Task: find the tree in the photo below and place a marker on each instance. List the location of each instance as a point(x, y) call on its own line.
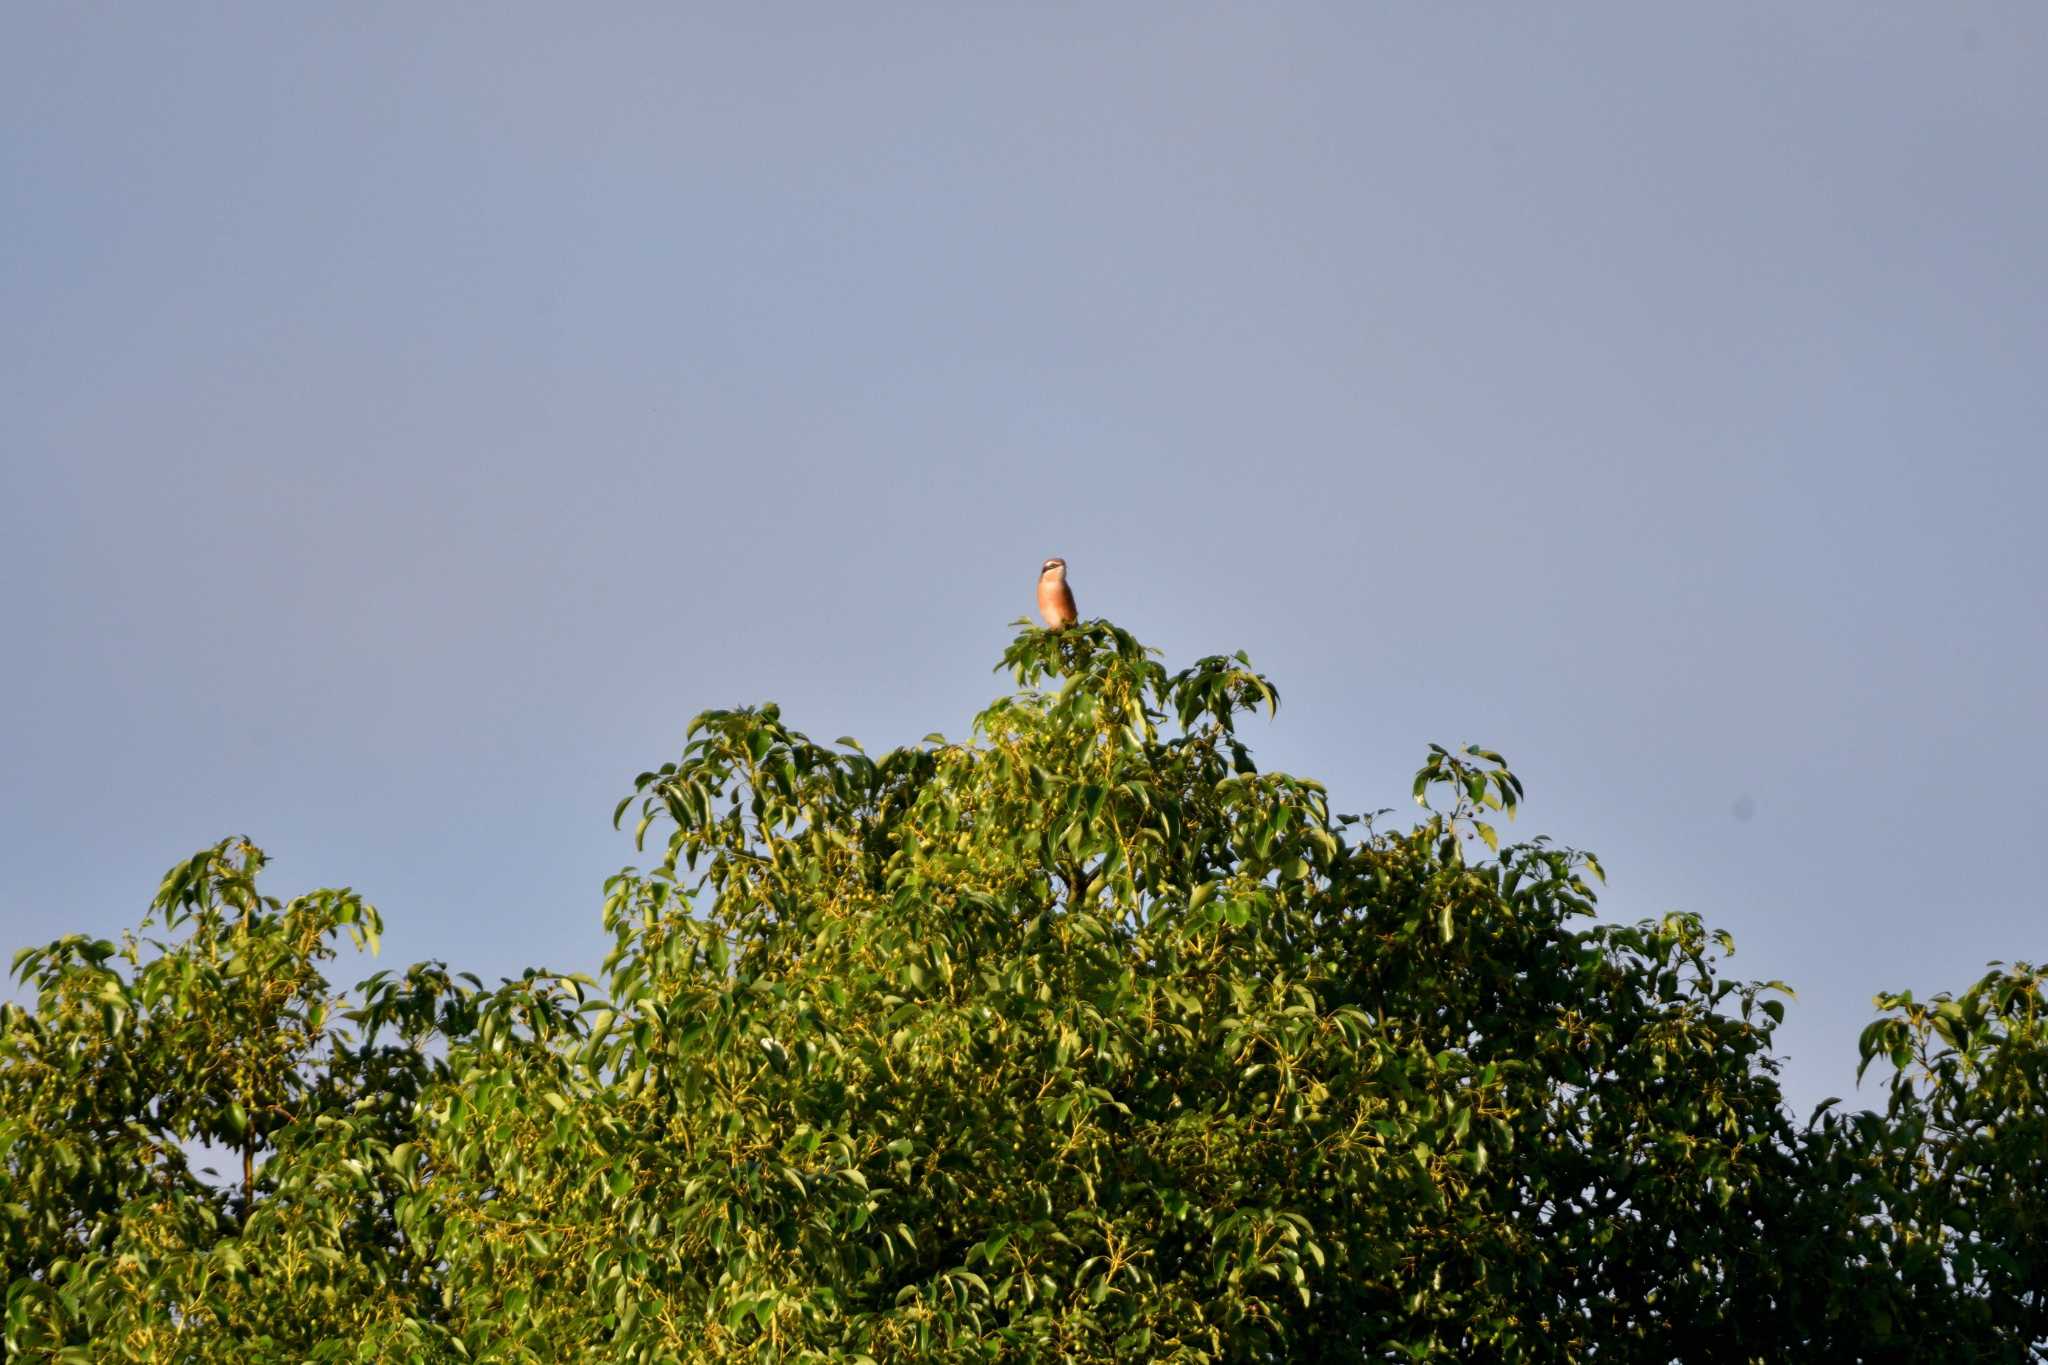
point(1081, 1040)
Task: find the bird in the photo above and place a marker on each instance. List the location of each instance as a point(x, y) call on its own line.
point(1055, 599)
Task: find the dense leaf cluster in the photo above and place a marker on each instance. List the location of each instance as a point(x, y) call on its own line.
point(1085, 1040)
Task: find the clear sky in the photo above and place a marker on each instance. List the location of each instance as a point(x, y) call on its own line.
point(411, 415)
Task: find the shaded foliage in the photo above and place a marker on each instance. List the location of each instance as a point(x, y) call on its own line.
point(1085, 1040)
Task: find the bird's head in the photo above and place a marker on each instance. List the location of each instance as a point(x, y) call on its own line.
point(1056, 567)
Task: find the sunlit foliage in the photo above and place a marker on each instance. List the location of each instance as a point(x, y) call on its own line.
point(1080, 1040)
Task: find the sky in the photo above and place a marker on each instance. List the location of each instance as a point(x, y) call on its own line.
point(411, 416)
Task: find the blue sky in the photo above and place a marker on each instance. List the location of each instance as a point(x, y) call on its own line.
point(410, 417)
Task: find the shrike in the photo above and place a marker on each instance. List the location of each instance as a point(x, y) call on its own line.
point(1055, 599)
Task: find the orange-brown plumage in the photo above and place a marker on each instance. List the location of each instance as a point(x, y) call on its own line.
point(1055, 599)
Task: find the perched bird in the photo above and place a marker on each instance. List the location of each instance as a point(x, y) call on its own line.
point(1055, 600)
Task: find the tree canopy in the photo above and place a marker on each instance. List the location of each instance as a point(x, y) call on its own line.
point(1081, 1040)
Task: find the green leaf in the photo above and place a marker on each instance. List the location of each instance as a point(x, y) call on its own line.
point(919, 1058)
